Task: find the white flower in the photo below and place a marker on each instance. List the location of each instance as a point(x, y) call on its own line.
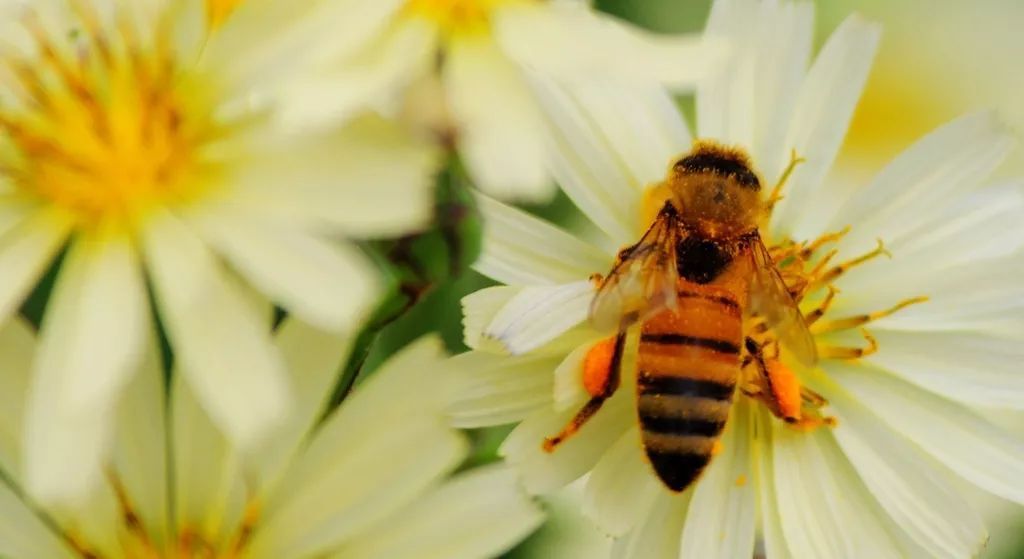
point(370, 481)
point(910, 417)
point(143, 143)
point(483, 52)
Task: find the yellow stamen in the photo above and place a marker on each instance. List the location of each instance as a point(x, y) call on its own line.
point(98, 127)
point(459, 16)
point(219, 10)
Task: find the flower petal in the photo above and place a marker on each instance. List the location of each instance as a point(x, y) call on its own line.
point(355, 472)
point(721, 517)
point(479, 309)
point(481, 513)
point(339, 89)
point(25, 252)
point(221, 342)
point(139, 457)
point(92, 340)
point(23, 534)
point(544, 471)
point(925, 180)
point(750, 98)
point(825, 106)
point(313, 358)
point(497, 389)
point(978, 451)
point(657, 533)
point(329, 284)
point(968, 367)
point(919, 501)
point(537, 315)
point(573, 41)
point(824, 507)
point(520, 249)
point(335, 180)
point(622, 487)
point(17, 345)
point(502, 138)
point(768, 496)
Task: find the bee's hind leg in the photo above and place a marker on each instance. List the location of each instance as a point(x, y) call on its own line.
point(777, 387)
point(601, 376)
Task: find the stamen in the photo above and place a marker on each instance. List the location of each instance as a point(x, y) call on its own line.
point(776, 193)
point(861, 319)
point(849, 353)
point(841, 269)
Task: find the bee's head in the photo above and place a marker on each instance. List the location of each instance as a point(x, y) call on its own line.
point(715, 188)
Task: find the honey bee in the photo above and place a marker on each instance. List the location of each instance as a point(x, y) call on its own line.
point(698, 275)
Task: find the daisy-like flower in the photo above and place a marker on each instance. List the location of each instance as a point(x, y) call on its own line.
point(481, 53)
point(894, 414)
point(370, 481)
point(140, 145)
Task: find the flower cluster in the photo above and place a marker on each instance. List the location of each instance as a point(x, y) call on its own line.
point(210, 209)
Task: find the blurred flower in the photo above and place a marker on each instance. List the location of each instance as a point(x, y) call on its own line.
point(879, 483)
point(141, 148)
point(370, 481)
point(482, 52)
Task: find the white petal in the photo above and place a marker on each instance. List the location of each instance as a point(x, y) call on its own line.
point(918, 499)
point(91, 343)
point(479, 309)
point(339, 89)
point(925, 179)
point(25, 253)
point(329, 284)
point(356, 470)
point(642, 127)
point(657, 533)
point(543, 471)
point(23, 534)
point(221, 343)
point(17, 345)
point(477, 514)
point(750, 99)
point(720, 521)
point(571, 40)
point(825, 106)
point(313, 358)
point(336, 180)
point(520, 249)
point(622, 487)
point(537, 315)
point(502, 139)
point(139, 455)
point(973, 368)
point(825, 509)
point(266, 37)
point(588, 169)
point(497, 389)
point(208, 478)
point(975, 449)
point(768, 497)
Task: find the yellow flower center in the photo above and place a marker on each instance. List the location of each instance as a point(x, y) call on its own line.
point(98, 126)
point(459, 16)
point(218, 10)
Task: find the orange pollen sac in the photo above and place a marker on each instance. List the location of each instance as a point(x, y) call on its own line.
point(95, 125)
point(785, 388)
point(597, 366)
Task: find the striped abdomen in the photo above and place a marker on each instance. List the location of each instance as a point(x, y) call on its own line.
point(688, 363)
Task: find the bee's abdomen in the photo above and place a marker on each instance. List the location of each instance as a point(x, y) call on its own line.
point(688, 363)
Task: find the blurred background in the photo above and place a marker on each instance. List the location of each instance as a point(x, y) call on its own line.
point(938, 59)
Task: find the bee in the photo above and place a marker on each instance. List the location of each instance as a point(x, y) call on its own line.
point(698, 275)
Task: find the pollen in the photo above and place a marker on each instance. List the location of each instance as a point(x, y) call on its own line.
point(459, 17)
point(95, 125)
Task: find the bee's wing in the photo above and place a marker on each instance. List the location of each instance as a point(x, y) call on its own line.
point(771, 300)
point(643, 280)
